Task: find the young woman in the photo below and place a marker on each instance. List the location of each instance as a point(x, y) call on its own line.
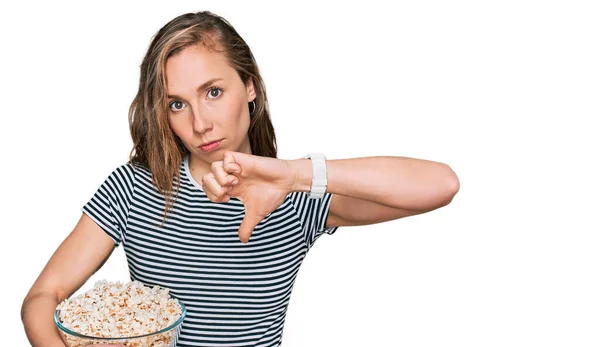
point(204, 206)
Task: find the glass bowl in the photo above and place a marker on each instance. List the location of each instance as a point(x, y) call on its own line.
point(166, 337)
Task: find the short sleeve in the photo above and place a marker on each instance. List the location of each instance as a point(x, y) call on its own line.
point(109, 207)
point(313, 215)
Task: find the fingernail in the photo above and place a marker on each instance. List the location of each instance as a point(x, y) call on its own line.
point(234, 182)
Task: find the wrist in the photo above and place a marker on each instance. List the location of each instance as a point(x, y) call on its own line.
point(302, 171)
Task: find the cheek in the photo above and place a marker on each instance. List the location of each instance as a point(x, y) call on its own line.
point(243, 119)
point(233, 110)
point(234, 113)
point(178, 126)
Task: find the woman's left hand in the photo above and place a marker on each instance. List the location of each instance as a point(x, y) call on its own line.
point(260, 183)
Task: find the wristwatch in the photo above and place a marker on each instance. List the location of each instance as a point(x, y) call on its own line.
point(319, 179)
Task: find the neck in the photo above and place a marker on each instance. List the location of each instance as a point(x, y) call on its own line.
point(198, 168)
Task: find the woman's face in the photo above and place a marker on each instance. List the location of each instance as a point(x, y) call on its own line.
point(208, 102)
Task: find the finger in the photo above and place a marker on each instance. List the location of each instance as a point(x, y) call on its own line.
point(214, 198)
point(234, 168)
point(211, 187)
point(222, 177)
point(230, 165)
point(247, 227)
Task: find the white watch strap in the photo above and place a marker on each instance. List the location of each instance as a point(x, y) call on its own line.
point(319, 178)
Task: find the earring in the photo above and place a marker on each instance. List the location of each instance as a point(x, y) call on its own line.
point(253, 108)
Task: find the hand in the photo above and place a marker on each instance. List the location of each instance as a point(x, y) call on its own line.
point(260, 183)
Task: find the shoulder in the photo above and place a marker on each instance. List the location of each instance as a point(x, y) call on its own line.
point(133, 170)
point(126, 171)
point(126, 175)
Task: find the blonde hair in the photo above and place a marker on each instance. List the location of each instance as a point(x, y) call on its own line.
point(155, 145)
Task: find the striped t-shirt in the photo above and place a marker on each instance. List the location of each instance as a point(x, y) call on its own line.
point(236, 294)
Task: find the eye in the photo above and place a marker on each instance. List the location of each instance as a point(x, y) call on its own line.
point(176, 106)
point(214, 93)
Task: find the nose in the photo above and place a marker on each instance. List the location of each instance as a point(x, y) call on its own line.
point(200, 123)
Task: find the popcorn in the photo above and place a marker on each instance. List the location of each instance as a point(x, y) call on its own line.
point(114, 310)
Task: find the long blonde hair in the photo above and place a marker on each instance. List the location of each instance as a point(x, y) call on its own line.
point(155, 145)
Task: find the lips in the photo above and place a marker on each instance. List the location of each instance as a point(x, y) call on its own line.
point(210, 146)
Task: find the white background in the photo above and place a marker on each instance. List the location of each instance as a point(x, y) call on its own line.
point(505, 92)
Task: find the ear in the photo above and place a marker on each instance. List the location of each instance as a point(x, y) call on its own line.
point(250, 89)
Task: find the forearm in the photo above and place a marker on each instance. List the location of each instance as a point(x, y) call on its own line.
point(37, 315)
point(397, 182)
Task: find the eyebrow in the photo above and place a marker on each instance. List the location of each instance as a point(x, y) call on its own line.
point(201, 88)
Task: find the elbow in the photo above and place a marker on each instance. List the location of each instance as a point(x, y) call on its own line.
point(33, 296)
point(451, 185)
point(440, 190)
point(24, 305)
point(23, 310)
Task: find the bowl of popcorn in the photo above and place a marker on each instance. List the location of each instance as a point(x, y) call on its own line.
point(128, 314)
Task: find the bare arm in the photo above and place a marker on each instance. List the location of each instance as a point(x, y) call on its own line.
point(81, 254)
point(377, 189)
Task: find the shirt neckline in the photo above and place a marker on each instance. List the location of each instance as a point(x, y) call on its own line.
point(186, 166)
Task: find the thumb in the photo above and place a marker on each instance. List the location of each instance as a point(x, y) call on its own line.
point(247, 227)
